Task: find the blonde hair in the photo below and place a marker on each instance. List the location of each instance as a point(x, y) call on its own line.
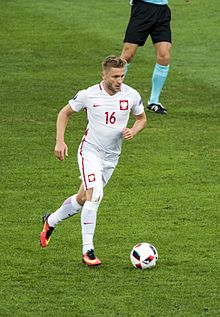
point(113, 61)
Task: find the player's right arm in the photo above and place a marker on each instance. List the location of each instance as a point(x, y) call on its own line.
point(61, 149)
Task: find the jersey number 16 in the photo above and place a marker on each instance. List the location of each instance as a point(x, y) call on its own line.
point(110, 118)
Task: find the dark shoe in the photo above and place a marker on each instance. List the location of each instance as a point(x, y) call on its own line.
point(156, 107)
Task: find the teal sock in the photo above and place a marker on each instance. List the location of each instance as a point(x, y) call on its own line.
point(158, 79)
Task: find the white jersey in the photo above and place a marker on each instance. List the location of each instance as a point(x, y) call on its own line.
point(107, 115)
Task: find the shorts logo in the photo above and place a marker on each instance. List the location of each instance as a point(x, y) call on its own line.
point(91, 178)
point(123, 104)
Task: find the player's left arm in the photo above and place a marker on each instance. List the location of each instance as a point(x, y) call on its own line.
point(139, 124)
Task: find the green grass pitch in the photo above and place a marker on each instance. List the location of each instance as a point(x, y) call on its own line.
point(165, 189)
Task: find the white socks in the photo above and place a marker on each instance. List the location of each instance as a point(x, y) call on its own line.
point(69, 208)
point(88, 223)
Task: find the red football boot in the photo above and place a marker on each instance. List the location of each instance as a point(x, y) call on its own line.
point(46, 233)
point(90, 259)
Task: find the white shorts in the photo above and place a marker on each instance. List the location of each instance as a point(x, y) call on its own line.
point(96, 167)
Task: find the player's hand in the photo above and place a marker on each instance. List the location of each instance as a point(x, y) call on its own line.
point(61, 150)
point(127, 133)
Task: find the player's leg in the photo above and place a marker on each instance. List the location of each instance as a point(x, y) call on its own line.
point(71, 206)
point(128, 52)
point(90, 166)
point(161, 37)
point(88, 223)
point(94, 196)
point(137, 30)
point(162, 50)
point(95, 174)
point(160, 74)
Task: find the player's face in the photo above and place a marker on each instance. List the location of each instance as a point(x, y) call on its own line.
point(113, 78)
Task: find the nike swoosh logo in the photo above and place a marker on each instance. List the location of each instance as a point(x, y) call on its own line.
point(88, 223)
point(97, 106)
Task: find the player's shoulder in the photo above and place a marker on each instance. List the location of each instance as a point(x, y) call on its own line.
point(93, 89)
point(84, 94)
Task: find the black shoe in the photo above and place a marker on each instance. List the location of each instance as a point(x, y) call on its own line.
point(156, 107)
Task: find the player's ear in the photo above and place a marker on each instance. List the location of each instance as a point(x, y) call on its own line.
point(103, 74)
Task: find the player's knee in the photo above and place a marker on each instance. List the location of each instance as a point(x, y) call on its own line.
point(163, 58)
point(81, 197)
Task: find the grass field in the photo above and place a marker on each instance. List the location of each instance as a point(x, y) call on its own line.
point(165, 189)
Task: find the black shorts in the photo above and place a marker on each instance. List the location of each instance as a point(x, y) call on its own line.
point(148, 19)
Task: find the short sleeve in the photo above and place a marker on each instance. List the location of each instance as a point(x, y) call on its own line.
point(78, 101)
point(138, 107)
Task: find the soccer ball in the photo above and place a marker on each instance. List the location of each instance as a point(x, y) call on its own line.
point(144, 256)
